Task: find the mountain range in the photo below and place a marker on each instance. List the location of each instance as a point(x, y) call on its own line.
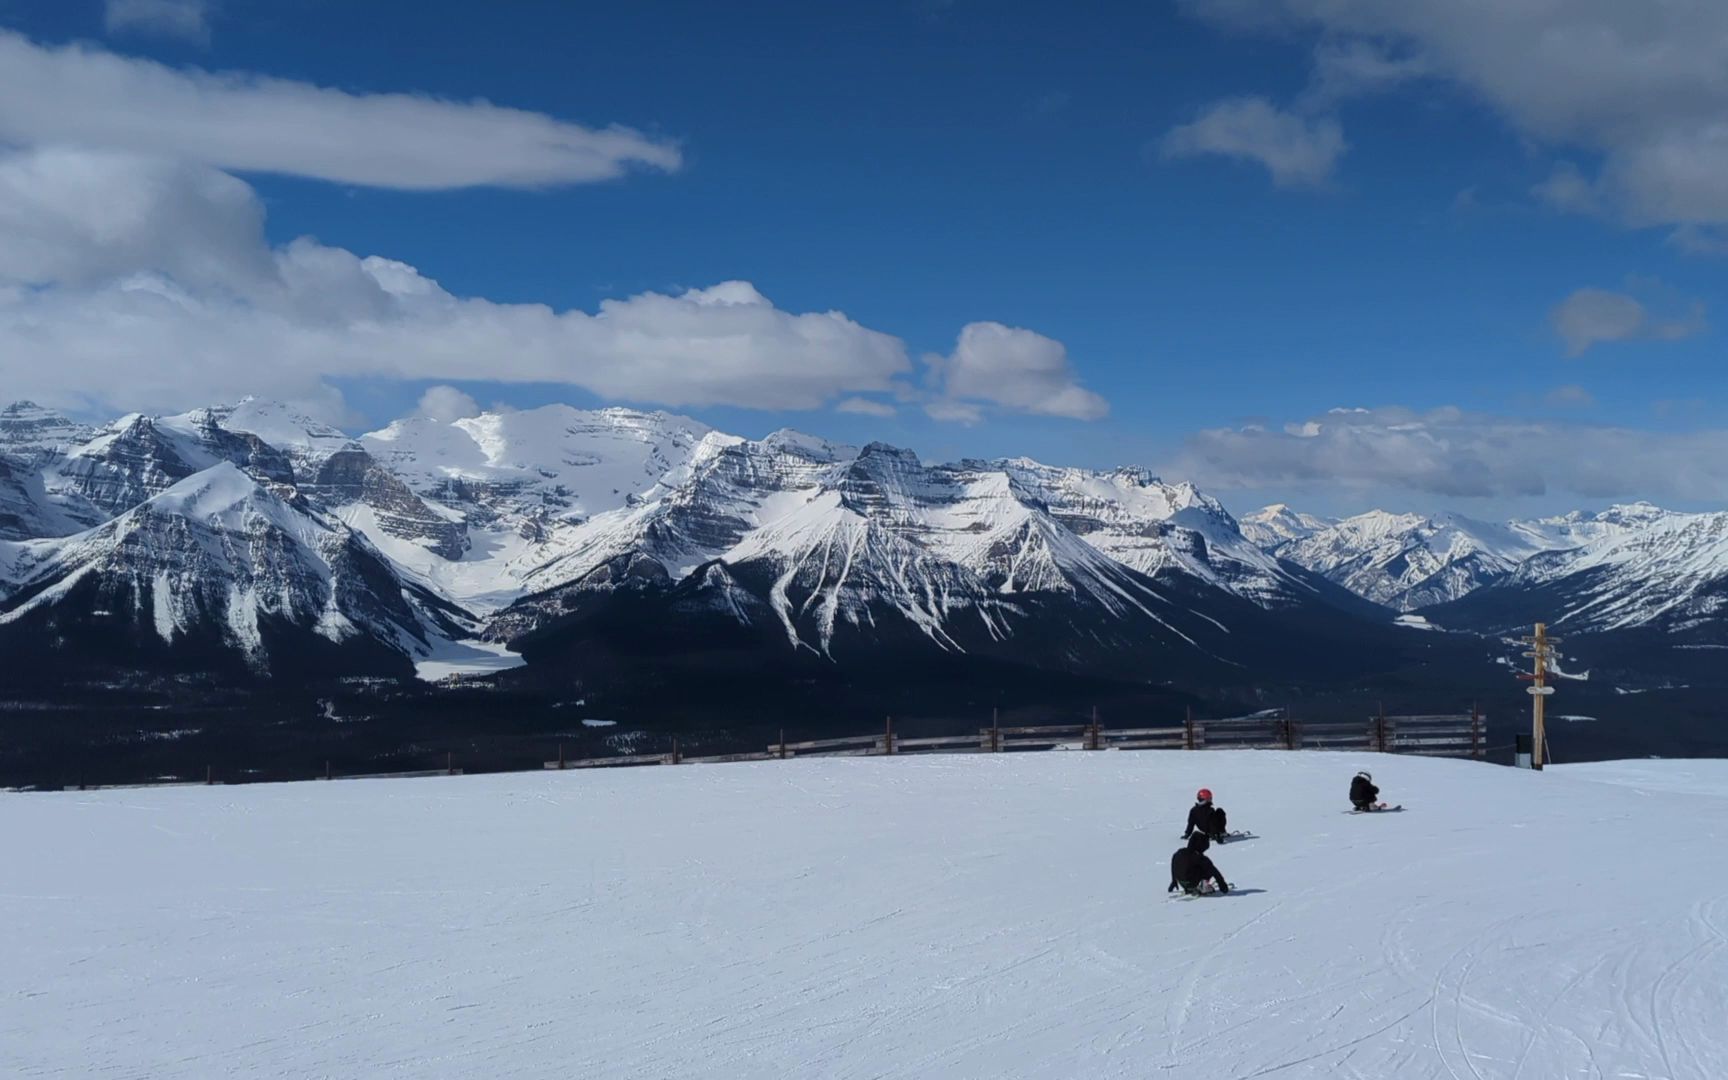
point(254, 542)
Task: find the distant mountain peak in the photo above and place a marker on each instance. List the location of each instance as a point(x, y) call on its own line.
point(219, 557)
point(1271, 527)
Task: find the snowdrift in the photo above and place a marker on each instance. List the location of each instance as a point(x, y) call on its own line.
point(964, 916)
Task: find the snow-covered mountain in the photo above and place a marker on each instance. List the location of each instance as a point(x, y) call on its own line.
point(1407, 561)
point(519, 518)
point(514, 526)
point(521, 486)
point(1271, 526)
point(221, 566)
point(31, 434)
point(340, 474)
point(1650, 570)
point(834, 546)
point(1410, 561)
point(1159, 528)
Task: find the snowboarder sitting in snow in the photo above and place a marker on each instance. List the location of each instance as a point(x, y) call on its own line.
point(1363, 793)
point(1205, 818)
point(1190, 868)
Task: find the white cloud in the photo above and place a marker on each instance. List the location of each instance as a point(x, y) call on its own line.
point(866, 407)
point(1641, 85)
point(73, 217)
point(1568, 190)
point(1569, 397)
point(446, 404)
point(1298, 151)
point(144, 280)
point(1590, 316)
point(1012, 368)
point(1699, 240)
point(134, 283)
point(1593, 316)
point(953, 412)
point(1349, 66)
point(186, 19)
point(1455, 454)
point(85, 96)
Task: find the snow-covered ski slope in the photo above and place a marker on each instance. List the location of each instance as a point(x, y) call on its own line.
point(963, 916)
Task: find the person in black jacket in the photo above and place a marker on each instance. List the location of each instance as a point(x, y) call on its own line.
point(1206, 818)
point(1363, 793)
point(1190, 868)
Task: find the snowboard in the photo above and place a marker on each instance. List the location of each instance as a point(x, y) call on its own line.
point(1204, 892)
point(1230, 837)
point(1379, 808)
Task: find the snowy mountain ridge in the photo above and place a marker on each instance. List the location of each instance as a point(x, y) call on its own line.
point(218, 556)
point(839, 539)
point(1666, 573)
point(1411, 561)
point(490, 514)
point(503, 524)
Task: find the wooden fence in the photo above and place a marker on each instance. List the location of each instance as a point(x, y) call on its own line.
point(210, 778)
point(1460, 735)
point(1443, 735)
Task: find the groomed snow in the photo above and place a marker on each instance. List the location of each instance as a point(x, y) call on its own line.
point(963, 916)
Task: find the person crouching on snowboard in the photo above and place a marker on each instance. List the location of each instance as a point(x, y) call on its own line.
point(1190, 868)
point(1363, 793)
point(1206, 818)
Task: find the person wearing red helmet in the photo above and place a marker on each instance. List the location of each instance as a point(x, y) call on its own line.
point(1206, 818)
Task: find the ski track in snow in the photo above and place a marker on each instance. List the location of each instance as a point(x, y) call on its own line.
point(958, 916)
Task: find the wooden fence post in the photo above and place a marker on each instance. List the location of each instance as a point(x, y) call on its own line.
point(1188, 729)
point(1475, 732)
point(673, 758)
point(326, 768)
point(1380, 729)
point(209, 774)
point(782, 744)
point(560, 755)
point(449, 763)
point(888, 736)
point(1092, 739)
point(995, 731)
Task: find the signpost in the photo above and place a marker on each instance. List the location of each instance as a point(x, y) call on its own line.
point(1542, 654)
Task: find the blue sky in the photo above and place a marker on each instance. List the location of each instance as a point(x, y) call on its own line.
point(1385, 229)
